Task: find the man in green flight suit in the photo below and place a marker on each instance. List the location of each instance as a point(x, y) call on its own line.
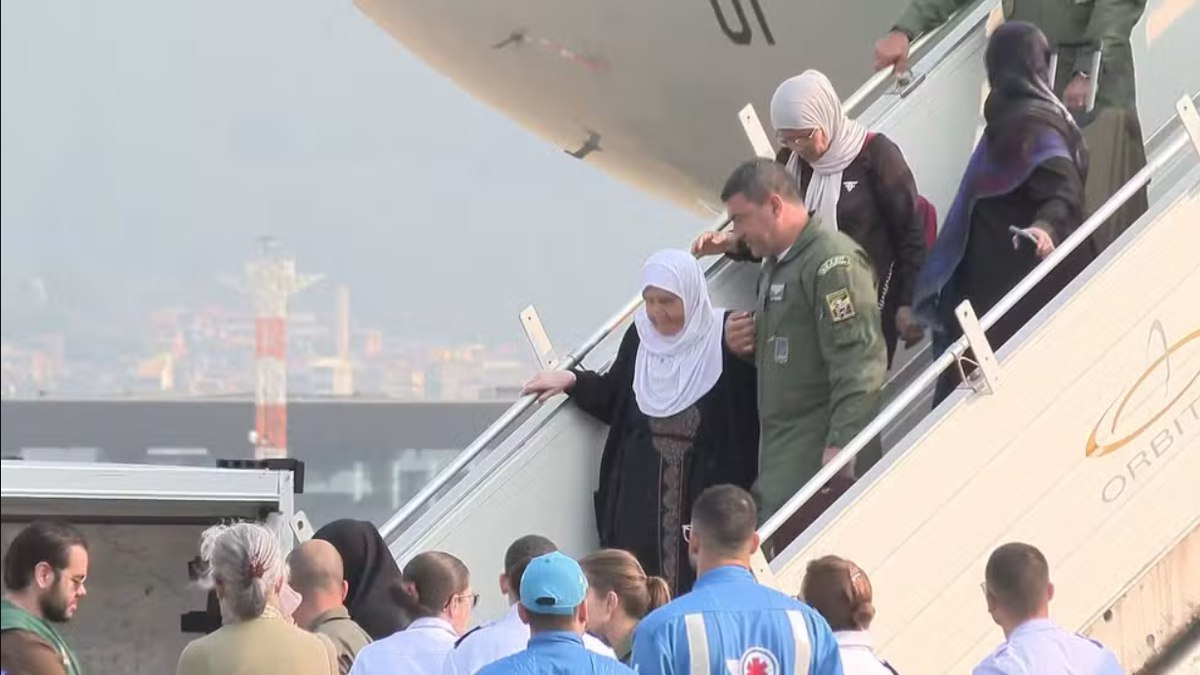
point(817, 334)
point(1075, 30)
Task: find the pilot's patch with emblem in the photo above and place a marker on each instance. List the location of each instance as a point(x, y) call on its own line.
point(831, 263)
point(841, 307)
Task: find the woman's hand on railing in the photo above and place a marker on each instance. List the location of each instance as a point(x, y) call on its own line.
point(1035, 235)
point(714, 243)
point(549, 383)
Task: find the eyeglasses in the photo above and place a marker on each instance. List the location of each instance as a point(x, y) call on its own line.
point(474, 597)
point(687, 533)
point(792, 137)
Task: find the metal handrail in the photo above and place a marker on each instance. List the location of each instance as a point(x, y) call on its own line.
point(899, 405)
point(880, 76)
point(575, 357)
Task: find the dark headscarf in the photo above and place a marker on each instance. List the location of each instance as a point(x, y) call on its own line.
point(371, 573)
point(1026, 126)
point(1021, 104)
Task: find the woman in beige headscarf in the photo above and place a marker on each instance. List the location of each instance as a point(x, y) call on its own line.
point(854, 181)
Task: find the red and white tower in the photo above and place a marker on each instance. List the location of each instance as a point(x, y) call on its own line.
point(272, 279)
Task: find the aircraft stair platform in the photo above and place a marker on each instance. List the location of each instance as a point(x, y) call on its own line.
point(1086, 446)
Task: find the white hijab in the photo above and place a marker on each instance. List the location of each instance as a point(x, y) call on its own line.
point(672, 373)
point(808, 101)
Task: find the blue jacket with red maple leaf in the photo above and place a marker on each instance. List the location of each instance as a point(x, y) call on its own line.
point(732, 625)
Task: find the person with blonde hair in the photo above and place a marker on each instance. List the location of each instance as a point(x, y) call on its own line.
point(841, 592)
point(246, 569)
point(619, 595)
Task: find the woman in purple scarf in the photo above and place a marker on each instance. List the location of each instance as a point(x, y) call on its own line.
point(1027, 172)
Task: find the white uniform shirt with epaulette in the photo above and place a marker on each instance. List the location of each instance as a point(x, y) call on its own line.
point(495, 640)
point(420, 649)
point(1042, 647)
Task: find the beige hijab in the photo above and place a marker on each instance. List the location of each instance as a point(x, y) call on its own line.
point(808, 101)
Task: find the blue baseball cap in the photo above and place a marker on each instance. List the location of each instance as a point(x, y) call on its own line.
point(553, 584)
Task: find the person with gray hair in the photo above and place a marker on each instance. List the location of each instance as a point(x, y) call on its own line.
point(245, 566)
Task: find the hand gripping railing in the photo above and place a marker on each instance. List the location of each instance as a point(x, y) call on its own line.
point(907, 397)
point(880, 77)
point(864, 94)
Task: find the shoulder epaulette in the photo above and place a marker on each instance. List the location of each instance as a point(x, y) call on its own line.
point(466, 635)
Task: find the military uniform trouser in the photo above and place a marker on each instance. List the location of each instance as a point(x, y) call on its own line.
point(1117, 152)
point(784, 471)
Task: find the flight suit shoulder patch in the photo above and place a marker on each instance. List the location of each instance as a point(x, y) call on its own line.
point(833, 263)
point(841, 306)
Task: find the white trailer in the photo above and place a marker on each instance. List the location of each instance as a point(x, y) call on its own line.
point(143, 525)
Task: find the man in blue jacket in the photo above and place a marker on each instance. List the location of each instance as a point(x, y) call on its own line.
point(553, 589)
point(729, 623)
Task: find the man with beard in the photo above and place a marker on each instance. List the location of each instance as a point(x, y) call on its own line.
point(44, 571)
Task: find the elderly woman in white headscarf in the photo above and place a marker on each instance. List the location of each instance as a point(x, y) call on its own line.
point(855, 181)
point(682, 416)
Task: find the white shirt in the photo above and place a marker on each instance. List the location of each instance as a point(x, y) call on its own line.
point(1042, 647)
point(420, 649)
point(498, 639)
point(858, 655)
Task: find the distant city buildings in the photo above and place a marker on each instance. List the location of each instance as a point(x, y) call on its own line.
point(209, 351)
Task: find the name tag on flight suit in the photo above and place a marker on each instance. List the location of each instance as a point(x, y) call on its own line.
point(781, 349)
point(775, 293)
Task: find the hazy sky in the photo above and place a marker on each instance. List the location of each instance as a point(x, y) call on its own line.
point(146, 144)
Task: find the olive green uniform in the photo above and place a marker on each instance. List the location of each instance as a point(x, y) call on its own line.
point(1074, 28)
point(821, 357)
